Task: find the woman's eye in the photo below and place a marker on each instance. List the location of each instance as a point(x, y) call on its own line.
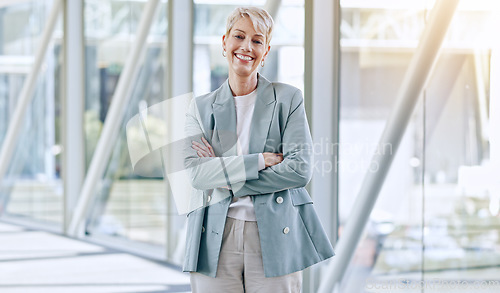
point(239, 37)
point(257, 42)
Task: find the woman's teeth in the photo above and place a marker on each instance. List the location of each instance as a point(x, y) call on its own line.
point(246, 58)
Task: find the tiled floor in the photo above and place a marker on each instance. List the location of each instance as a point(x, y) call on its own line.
point(36, 261)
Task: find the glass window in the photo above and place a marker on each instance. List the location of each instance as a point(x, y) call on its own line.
point(32, 186)
point(431, 220)
point(127, 206)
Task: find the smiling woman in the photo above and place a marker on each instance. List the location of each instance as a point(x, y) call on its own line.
point(259, 229)
point(245, 47)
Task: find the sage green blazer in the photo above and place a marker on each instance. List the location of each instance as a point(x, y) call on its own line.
point(291, 235)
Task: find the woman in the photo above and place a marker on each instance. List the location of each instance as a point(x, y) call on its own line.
point(250, 154)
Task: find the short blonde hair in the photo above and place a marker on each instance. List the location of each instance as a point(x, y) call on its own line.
point(260, 19)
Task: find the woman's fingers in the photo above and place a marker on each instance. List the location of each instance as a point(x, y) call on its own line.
point(279, 158)
point(272, 159)
point(200, 149)
point(211, 150)
point(203, 150)
point(201, 153)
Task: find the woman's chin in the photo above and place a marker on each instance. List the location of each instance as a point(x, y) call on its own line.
point(243, 72)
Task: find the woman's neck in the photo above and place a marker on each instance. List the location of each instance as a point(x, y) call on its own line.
point(241, 86)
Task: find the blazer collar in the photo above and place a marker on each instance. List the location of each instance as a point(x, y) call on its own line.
point(225, 117)
point(264, 92)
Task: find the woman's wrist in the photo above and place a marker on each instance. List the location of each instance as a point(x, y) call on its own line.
point(262, 162)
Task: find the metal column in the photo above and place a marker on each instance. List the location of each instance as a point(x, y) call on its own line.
point(180, 81)
point(409, 92)
point(73, 158)
point(494, 134)
point(325, 101)
point(321, 84)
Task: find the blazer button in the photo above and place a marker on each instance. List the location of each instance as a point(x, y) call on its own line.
point(209, 198)
point(286, 230)
point(279, 199)
point(202, 229)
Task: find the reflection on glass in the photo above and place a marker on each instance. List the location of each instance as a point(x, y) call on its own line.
point(32, 187)
point(437, 216)
point(128, 206)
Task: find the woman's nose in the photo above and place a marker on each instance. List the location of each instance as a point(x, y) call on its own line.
point(246, 46)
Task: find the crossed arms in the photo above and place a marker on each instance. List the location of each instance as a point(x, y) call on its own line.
point(291, 169)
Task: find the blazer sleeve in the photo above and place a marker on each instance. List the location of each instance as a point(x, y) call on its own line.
point(215, 172)
point(296, 168)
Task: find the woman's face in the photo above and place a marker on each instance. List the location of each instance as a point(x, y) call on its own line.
point(245, 48)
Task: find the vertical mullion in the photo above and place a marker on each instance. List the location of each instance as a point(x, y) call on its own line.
point(321, 85)
point(180, 81)
point(73, 159)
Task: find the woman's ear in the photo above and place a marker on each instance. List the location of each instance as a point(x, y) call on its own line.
point(267, 51)
point(224, 42)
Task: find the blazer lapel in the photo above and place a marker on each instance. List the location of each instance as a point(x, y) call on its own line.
point(225, 120)
point(262, 115)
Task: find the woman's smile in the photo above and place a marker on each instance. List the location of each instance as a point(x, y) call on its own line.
point(242, 57)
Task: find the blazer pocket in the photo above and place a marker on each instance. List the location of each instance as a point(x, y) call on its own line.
point(300, 196)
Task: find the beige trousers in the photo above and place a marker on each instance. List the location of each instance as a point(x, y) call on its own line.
point(240, 267)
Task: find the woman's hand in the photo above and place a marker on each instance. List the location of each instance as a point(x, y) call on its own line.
point(203, 150)
point(272, 159)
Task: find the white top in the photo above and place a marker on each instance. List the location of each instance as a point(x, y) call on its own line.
point(241, 208)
